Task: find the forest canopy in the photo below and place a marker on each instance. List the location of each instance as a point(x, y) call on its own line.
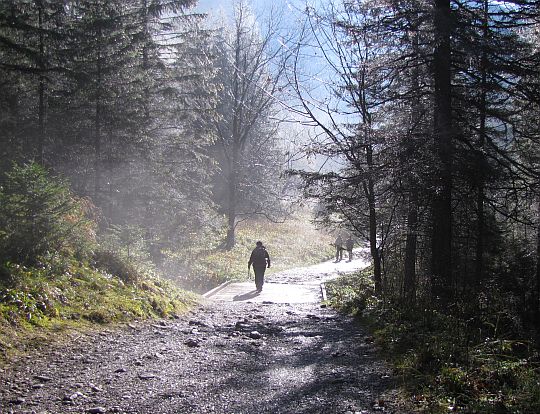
point(141, 133)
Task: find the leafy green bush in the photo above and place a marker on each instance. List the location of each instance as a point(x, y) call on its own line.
point(38, 214)
point(448, 363)
point(352, 294)
point(112, 263)
point(126, 240)
point(295, 242)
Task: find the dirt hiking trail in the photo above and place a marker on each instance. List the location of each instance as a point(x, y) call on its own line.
point(236, 353)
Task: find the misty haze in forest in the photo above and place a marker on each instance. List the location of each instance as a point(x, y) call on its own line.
point(143, 134)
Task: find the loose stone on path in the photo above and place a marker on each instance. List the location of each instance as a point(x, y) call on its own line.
point(266, 354)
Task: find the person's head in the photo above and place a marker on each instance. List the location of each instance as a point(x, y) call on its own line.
point(259, 243)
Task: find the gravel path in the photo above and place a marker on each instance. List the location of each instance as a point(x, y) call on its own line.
point(240, 357)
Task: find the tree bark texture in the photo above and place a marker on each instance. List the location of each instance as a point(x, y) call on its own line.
point(536, 310)
point(479, 267)
point(409, 279)
point(374, 250)
point(97, 122)
point(41, 87)
point(441, 241)
point(230, 241)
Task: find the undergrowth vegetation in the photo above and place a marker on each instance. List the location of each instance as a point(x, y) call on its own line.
point(53, 273)
point(59, 272)
point(446, 363)
point(292, 243)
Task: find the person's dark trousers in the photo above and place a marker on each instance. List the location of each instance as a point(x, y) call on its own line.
point(259, 276)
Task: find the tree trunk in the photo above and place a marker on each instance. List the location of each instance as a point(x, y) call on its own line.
point(441, 241)
point(231, 212)
point(145, 61)
point(236, 145)
point(479, 267)
point(41, 88)
point(409, 276)
point(97, 124)
point(536, 302)
point(375, 255)
point(409, 279)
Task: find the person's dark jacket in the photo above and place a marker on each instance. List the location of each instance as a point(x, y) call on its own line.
point(259, 258)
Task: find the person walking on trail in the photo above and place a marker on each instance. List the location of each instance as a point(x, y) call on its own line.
point(339, 248)
point(349, 244)
point(260, 259)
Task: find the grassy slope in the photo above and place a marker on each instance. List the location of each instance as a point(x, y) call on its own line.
point(64, 296)
point(42, 306)
point(293, 243)
point(440, 372)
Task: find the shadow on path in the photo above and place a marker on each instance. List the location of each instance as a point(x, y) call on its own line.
point(246, 296)
point(309, 361)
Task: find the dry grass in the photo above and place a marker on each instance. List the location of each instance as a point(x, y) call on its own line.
point(295, 242)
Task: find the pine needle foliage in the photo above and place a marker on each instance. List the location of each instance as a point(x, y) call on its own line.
point(38, 215)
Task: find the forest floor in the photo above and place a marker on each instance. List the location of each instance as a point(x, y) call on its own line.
point(239, 356)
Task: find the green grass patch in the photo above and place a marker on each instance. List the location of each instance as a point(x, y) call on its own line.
point(293, 243)
point(444, 364)
point(39, 303)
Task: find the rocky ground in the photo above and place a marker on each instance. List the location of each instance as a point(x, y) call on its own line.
point(240, 357)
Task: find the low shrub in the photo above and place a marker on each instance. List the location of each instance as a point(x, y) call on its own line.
point(352, 294)
point(39, 215)
point(111, 263)
point(294, 243)
point(447, 363)
point(78, 298)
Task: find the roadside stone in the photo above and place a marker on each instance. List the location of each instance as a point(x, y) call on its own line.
point(147, 376)
point(95, 388)
point(255, 335)
point(199, 323)
point(161, 326)
point(18, 401)
point(242, 326)
point(193, 343)
point(72, 397)
point(42, 378)
point(96, 410)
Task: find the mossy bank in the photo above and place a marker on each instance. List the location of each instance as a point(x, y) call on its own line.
point(42, 304)
point(446, 364)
